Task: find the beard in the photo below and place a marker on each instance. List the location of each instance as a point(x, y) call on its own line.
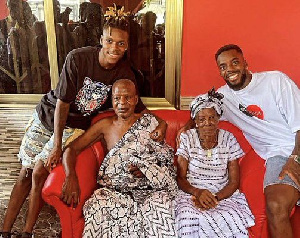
point(240, 84)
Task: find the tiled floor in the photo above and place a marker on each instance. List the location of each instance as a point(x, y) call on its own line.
point(12, 126)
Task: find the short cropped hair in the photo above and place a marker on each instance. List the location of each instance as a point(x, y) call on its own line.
point(127, 82)
point(226, 48)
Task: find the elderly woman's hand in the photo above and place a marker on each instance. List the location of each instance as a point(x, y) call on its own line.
point(205, 199)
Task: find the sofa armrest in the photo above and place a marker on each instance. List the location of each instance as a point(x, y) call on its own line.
point(87, 166)
point(252, 171)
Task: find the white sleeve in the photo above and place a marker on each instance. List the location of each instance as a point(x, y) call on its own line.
point(289, 102)
point(183, 147)
point(235, 150)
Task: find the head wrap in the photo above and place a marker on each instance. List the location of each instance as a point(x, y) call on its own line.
point(212, 99)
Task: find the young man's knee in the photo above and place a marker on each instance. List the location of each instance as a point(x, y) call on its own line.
point(25, 176)
point(39, 174)
point(280, 198)
point(274, 206)
point(277, 206)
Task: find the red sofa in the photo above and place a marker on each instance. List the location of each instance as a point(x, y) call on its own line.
point(88, 162)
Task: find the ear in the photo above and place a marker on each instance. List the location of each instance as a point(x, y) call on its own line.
point(101, 40)
point(246, 65)
point(136, 99)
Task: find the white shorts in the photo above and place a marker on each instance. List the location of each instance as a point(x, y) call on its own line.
point(38, 141)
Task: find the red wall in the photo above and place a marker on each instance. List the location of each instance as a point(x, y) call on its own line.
point(268, 31)
point(3, 9)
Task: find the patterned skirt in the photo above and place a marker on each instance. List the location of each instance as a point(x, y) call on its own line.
point(110, 214)
point(230, 218)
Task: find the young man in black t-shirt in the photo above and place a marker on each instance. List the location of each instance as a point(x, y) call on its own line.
point(66, 112)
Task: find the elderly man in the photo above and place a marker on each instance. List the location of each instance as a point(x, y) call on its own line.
point(136, 177)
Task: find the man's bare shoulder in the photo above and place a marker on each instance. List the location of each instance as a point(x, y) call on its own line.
point(105, 122)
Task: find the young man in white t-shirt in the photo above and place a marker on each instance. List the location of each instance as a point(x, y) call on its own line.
point(266, 107)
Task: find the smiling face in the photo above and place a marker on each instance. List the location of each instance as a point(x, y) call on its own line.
point(124, 98)
point(233, 69)
point(114, 44)
point(207, 121)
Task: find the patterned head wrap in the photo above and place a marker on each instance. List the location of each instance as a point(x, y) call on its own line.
point(212, 99)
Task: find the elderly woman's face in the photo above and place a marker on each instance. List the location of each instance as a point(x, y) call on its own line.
point(207, 121)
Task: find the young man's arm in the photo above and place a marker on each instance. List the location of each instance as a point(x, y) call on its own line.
point(70, 190)
point(190, 124)
point(289, 103)
point(60, 118)
point(159, 133)
point(65, 92)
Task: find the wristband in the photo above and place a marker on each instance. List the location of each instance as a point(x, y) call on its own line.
point(296, 158)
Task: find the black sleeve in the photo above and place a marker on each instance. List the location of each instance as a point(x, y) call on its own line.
point(140, 106)
point(66, 88)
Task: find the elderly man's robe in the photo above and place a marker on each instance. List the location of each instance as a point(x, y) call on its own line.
point(127, 206)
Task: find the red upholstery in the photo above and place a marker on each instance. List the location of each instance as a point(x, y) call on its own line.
point(87, 166)
point(88, 162)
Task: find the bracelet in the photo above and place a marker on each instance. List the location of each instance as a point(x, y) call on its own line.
point(296, 158)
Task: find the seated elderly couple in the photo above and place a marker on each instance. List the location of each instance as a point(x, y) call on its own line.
point(138, 194)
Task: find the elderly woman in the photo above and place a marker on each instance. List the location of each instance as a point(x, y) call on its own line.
point(210, 204)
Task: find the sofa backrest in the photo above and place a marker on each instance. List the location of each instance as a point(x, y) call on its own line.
point(175, 120)
point(178, 118)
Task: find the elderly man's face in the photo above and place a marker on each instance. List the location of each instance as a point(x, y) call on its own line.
point(233, 69)
point(207, 121)
point(124, 99)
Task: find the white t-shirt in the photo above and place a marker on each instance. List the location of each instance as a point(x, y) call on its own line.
point(267, 111)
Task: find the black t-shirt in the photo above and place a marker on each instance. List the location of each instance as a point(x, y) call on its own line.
point(74, 88)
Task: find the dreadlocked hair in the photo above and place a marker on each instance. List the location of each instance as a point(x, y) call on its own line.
point(115, 17)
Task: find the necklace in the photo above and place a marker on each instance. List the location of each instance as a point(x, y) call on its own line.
point(212, 144)
point(209, 149)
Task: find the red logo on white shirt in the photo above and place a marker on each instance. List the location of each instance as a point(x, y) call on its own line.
point(252, 110)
